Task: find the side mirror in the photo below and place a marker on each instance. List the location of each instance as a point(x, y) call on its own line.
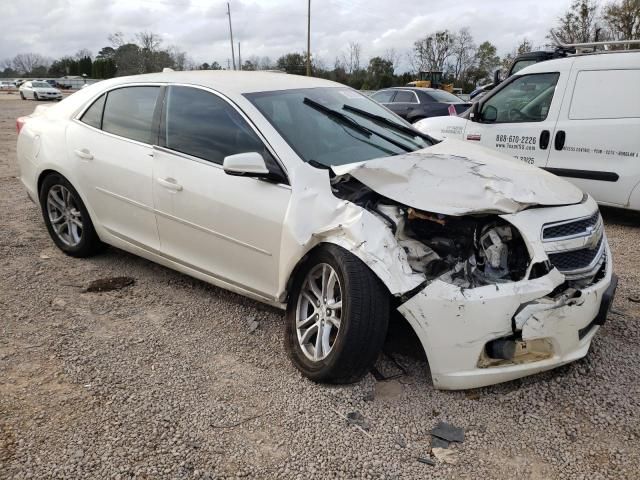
point(489, 114)
point(496, 78)
point(249, 164)
point(475, 111)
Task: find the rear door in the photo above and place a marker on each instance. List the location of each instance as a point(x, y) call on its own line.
point(520, 117)
point(597, 143)
point(112, 155)
point(403, 102)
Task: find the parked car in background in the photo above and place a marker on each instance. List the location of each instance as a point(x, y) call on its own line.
point(39, 90)
point(307, 195)
point(4, 85)
point(414, 103)
point(577, 117)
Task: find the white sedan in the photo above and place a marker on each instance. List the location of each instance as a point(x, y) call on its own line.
point(305, 194)
point(39, 90)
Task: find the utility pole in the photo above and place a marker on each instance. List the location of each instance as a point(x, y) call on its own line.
point(239, 58)
point(233, 54)
point(309, 38)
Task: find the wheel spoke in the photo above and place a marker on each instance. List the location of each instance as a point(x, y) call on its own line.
point(317, 353)
point(55, 198)
point(310, 319)
point(306, 336)
point(325, 279)
point(326, 334)
point(335, 305)
point(313, 287)
point(335, 321)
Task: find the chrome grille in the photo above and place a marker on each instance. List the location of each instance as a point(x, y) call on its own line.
point(576, 247)
point(572, 228)
point(576, 259)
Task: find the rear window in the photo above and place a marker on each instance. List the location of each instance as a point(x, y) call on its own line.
point(602, 94)
point(383, 97)
point(405, 97)
point(443, 97)
point(93, 115)
point(128, 112)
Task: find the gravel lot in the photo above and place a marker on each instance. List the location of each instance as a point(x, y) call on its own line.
point(166, 379)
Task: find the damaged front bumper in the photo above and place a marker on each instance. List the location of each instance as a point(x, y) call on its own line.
point(542, 325)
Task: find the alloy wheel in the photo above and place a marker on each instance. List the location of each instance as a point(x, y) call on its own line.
point(319, 312)
point(64, 215)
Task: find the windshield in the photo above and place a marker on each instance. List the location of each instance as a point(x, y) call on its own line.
point(40, 85)
point(442, 96)
point(336, 125)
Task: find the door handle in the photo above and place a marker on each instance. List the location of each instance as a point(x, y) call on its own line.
point(559, 141)
point(545, 136)
point(84, 154)
point(170, 184)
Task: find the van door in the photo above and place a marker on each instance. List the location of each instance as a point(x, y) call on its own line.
point(519, 118)
point(597, 142)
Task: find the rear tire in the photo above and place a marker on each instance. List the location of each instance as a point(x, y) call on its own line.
point(67, 219)
point(22, 96)
point(35, 96)
point(356, 329)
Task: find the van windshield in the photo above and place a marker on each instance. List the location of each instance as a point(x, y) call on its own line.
point(337, 125)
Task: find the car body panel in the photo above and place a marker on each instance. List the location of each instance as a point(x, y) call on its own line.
point(250, 235)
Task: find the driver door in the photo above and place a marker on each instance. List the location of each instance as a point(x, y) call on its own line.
point(519, 119)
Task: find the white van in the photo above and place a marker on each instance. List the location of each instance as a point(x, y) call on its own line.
point(577, 117)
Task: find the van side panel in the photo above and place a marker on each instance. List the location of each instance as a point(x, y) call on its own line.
point(600, 119)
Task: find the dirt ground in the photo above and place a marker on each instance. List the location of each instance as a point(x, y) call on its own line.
point(169, 378)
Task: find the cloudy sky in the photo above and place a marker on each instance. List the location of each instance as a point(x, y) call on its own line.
point(268, 27)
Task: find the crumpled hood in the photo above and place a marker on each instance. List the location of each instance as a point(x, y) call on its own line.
point(459, 178)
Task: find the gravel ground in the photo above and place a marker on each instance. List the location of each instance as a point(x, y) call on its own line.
point(167, 379)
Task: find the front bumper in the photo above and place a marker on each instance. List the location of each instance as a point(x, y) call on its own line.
point(455, 325)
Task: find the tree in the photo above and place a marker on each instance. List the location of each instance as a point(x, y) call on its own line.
point(351, 60)
point(25, 63)
point(216, 66)
point(292, 63)
point(391, 55)
point(379, 74)
point(463, 51)
point(432, 52)
point(249, 65)
point(106, 52)
point(623, 19)
point(128, 59)
point(579, 23)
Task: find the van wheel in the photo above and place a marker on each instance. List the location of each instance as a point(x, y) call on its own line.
point(67, 219)
point(337, 317)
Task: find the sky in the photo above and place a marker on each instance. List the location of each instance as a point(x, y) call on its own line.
point(269, 27)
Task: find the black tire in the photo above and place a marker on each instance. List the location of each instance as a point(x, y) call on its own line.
point(89, 243)
point(363, 324)
point(35, 96)
point(22, 96)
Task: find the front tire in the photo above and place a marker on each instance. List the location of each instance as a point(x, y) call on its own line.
point(337, 317)
point(22, 96)
point(35, 96)
point(67, 219)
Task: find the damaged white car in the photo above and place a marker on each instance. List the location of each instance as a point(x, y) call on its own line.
point(307, 195)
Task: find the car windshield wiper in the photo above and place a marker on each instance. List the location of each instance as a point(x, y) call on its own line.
point(337, 115)
point(401, 128)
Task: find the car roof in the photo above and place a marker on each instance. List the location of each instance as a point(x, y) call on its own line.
point(237, 82)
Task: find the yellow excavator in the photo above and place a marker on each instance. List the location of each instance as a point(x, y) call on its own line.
point(431, 80)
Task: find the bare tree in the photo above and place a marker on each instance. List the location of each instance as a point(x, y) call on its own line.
point(463, 52)
point(82, 53)
point(351, 60)
point(623, 19)
point(27, 62)
point(579, 23)
point(432, 52)
point(393, 56)
point(116, 40)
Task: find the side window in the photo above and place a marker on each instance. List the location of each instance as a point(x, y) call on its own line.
point(405, 96)
point(93, 115)
point(621, 101)
point(383, 97)
point(128, 112)
point(202, 124)
point(526, 99)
